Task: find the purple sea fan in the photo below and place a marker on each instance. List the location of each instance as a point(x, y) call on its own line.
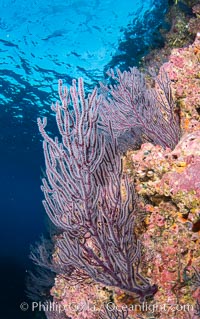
point(146, 113)
point(83, 197)
point(70, 164)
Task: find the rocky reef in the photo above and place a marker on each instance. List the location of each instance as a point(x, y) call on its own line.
point(169, 187)
point(168, 220)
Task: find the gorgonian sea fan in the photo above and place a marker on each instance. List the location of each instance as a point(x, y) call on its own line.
point(146, 112)
point(83, 197)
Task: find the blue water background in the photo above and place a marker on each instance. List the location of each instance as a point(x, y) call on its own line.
point(40, 42)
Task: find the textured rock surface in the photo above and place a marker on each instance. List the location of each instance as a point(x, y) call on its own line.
point(183, 69)
point(168, 183)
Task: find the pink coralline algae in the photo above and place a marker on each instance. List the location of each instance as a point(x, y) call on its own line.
point(186, 176)
point(183, 69)
point(80, 301)
point(169, 185)
point(177, 61)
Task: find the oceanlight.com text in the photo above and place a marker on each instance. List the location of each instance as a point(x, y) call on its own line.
point(110, 307)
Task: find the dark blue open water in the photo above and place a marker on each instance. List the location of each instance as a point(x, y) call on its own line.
point(40, 42)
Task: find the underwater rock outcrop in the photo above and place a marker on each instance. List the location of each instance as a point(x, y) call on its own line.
point(168, 220)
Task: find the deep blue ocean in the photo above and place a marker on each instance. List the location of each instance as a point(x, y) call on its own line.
point(41, 42)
